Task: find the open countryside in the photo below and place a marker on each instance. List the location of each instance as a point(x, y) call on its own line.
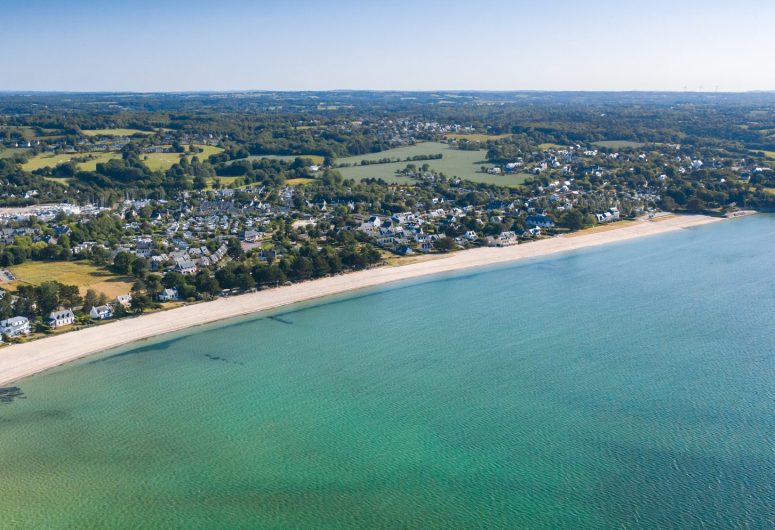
point(115, 132)
point(164, 161)
point(154, 161)
point(315, 159)
point(454, 163)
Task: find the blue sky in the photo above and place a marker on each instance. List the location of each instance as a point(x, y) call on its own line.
point(85, 45)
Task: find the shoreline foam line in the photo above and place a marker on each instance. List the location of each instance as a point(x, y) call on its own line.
point(23, 360)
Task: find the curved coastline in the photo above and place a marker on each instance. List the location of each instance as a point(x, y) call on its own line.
point(23, 360)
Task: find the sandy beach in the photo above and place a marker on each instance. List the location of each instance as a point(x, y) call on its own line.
point(22, 360)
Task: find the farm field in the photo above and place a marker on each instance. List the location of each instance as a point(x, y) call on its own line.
point(769, 154)
point(164, 161)
point(82, 274)
point(618, 144)
point(476, 137)
point(454, 163)
point(115, 132)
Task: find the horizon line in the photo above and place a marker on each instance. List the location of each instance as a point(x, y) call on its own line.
point(387, 90)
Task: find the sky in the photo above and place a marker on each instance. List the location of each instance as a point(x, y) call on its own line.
point(203, 45)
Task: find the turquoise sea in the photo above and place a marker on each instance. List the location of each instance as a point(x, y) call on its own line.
point(625, 386)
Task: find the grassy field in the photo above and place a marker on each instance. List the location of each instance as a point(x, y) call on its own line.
point(8, 153)
point(298, 182)
point(51, 160)
point(544, 147)
point(228, 181)
point(79, 273)
point(46, 160)
point(114, 132)
point(62, 181)
point(769, 154)
point(475, 137)
point(161, 161)
point(98, 158)
point(316, 159)
point(454, 163)
point(618, 144)
point(164, 161)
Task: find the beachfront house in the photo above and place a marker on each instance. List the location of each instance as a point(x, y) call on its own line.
point(57, 319)
point(504, 239)
point(124, 299)
point(15, 326)
point(169, 295)
point(101, 312)
point(606, 217)
point(539, 221)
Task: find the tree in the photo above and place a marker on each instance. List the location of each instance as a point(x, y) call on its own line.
point(153, 285)
point(234, 249)
point(47, 297)
point(572, 219)
point(99, 255)
point(122, 263)
point(139, 268)
point(206, 284)
point(445, 244)
point(301, 268)
point(141, 302)
point(6, 309)
point(200, 182)
point(90, 299)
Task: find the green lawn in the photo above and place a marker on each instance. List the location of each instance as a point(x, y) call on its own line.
point(769, 154)
point(454, 163)
point(114, 132)
point(619, 144)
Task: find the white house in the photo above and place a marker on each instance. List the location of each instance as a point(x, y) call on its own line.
point(15, 326)
point(124, 299)
point(169, 295)
point(505, 239)
point(58, 319)
point(101, 312)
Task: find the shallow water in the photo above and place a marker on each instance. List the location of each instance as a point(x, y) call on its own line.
point(626, 386)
